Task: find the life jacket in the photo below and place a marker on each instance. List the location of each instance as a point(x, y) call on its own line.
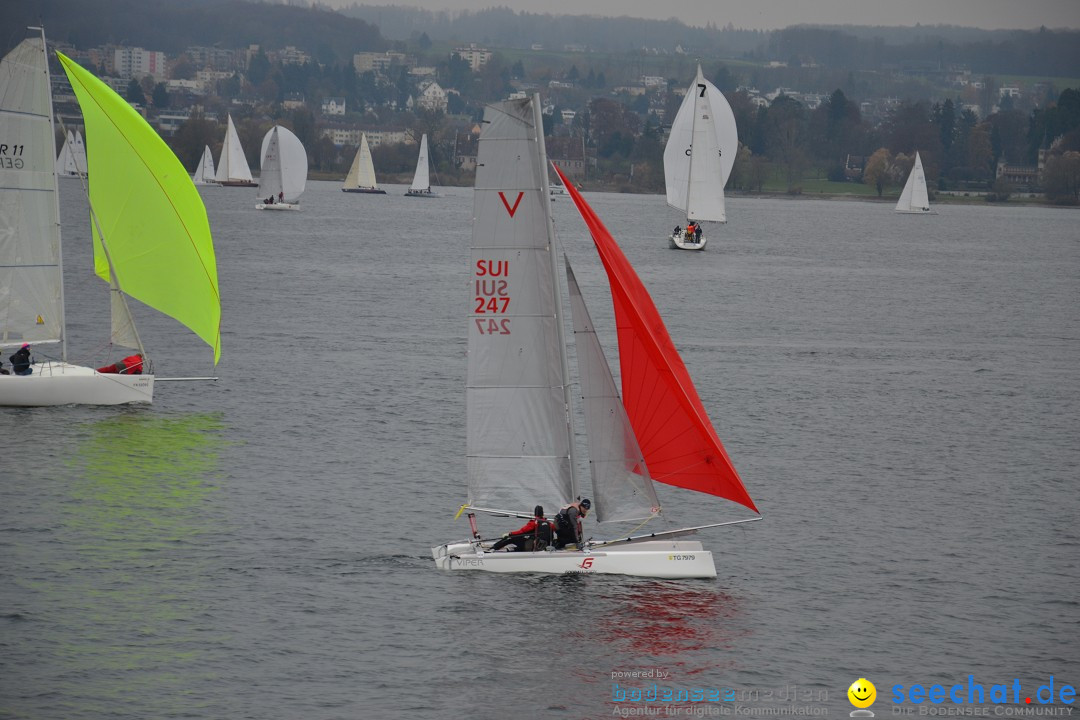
point(133, 365)
point(545, 534)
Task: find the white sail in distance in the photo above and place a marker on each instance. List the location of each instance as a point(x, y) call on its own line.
point(700, 152)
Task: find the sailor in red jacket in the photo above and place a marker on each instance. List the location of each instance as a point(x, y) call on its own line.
point(536, 534)
point(131, 365)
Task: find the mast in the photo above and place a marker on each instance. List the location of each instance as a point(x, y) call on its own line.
point(56, 198)
point(538, 122)
point(693, 130)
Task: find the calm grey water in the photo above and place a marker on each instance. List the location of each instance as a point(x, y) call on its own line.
point(899, 394)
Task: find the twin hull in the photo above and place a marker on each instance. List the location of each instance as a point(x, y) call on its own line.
point(657, 559)
point(58, 383)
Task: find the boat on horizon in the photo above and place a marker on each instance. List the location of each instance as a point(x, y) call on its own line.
point(698, 158)
point(361, 177)
point(283, 171)
point(205, 174)
point(421, 184)
point(914, 199)
point(71, 163)
point(233, 169)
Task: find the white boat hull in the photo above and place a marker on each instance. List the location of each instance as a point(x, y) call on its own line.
point(916, 211)
point(278, 206)
point(657, 559)
point(57, 383)
point(421, 194)
point(678, 242)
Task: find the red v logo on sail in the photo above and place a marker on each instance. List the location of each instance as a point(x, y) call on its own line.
point(506, 205)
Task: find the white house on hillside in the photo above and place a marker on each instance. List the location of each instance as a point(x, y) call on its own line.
point(432, 97)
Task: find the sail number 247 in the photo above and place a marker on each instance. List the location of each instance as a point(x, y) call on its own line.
point(491, 297)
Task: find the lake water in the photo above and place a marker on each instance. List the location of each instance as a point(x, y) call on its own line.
point(899, 394)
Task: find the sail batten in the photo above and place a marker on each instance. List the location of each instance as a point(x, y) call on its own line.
point(650, 363)
point(154, 221)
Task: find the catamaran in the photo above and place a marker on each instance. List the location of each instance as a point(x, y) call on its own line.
point(283, 173)
point(698, 158)
point(361, 177)
point(519, 420)
point(914, 199)
point(149, 227)
point(421, 183)
point(204, 174)
point(233, 170)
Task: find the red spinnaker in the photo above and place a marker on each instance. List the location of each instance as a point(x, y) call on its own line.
point(679, 443)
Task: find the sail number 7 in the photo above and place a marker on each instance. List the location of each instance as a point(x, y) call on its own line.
point(491, 296)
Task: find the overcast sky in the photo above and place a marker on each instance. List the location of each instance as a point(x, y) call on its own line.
point(770, 14)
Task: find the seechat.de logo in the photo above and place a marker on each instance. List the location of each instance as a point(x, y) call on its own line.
point(862, 694)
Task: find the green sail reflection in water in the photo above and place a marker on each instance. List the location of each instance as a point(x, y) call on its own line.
point(150, 212)
point(139, 567)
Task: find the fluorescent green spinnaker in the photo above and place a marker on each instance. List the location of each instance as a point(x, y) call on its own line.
point(151, 215)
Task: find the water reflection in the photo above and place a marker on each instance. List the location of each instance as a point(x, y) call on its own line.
point(130, 585)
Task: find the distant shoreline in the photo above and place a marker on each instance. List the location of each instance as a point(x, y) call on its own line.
point(941, 198)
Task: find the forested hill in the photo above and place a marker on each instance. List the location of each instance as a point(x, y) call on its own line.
point(172, 26)
point(1051, 53)
point(501, 27)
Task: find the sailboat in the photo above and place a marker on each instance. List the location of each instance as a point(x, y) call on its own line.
point(698, 158)
point(519, 420)
point(558, 189)
point(914, 199)
point(233, 170)
point(284, 170)
point(149, 227)
point(72, 159)
point(204, 174)
point(421, 183)
point(361, 177)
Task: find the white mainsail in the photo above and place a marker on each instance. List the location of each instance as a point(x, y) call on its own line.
point(622, 487)
point(78, 153)
point(204, 174)
point(519, 430)
point(700, 152)
point(362, 173)
point(65, 161)
point(31, 273)
point(233, 166)
point(421, 180)
point(284, 165)
point(914, 198)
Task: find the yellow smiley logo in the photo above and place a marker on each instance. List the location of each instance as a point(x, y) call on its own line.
point(862, 693)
